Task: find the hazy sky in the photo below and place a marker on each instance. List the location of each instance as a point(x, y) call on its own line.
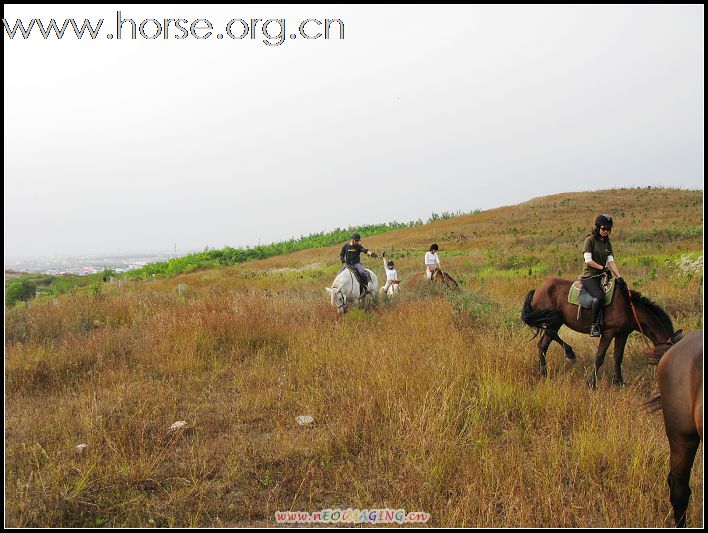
point(134, 145)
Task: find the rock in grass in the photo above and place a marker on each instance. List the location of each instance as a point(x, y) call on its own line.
point(180, 424)
point(304, 420)
point(80, 448)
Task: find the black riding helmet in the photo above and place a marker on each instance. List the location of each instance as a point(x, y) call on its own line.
point(389, 263)
point(433, 247)
point(356, 236)
point(603, 220)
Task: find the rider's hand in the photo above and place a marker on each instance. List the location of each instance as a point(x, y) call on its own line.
point(373, 254)
point(620, 280)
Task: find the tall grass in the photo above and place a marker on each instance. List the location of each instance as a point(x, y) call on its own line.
point(430, 402)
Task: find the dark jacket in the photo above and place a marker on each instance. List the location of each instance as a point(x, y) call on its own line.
point(351, 253)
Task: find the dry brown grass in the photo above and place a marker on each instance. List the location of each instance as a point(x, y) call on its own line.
point(430, 403)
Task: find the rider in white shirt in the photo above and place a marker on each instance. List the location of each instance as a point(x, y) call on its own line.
point(391, 274)
point(432, 262)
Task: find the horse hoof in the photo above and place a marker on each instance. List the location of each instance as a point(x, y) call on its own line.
point(618, 382)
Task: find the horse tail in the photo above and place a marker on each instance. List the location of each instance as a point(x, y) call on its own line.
point(653, 404)
point(540, 319)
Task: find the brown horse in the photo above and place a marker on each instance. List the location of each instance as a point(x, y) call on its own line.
point(439, 277)
point(547, 309)
point(680, 375)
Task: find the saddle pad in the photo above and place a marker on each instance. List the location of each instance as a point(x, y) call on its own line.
point(575, 288)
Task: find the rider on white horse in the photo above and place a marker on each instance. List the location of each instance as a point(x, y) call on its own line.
point(346, 288)
point(350, 256)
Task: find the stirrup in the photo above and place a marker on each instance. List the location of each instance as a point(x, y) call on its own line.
point(595, 330)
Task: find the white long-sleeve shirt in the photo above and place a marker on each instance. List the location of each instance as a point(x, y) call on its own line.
point(391, 274)
point(431, 259)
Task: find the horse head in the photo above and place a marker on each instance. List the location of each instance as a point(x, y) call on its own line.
point(662, 348)
point(445, 278)
point(338, 298)
point(653, 322)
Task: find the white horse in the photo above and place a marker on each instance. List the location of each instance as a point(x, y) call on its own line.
point(391, 291)
point(345, 290)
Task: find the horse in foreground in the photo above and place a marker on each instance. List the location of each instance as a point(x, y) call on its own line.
point(680, 375)
point(346, 290)
point(547, 309)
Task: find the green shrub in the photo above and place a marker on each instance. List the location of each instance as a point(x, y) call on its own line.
point(20, 290)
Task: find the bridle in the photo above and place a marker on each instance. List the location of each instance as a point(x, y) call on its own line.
point(341, 293)
point(344, 299)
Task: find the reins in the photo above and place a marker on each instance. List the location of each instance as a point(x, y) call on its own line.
point(652, 350)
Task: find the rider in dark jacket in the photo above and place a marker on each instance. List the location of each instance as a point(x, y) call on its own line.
point(350, 257)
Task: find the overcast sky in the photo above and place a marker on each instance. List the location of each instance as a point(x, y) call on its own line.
point(135, 145)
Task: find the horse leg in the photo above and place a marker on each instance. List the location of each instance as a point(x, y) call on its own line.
point(543, 344)
point(683, 451)
point(605, 341)
point(620, 342)
point(569, 353)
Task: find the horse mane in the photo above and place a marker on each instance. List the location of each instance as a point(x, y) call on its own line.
point(654, 308)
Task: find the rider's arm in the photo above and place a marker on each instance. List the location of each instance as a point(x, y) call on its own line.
point(368, 252)
point(588, 259)
point(587, 254)
point(613, 266)
point(343, 253)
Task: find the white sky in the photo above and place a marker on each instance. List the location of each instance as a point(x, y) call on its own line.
point(121, 146)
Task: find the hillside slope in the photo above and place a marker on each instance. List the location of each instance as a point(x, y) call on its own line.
point(669, 217)
point(432, 402)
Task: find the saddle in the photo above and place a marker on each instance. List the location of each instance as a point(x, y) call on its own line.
point(363, 283)
point(578, 295)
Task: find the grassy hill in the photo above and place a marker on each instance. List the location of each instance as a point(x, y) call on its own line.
point(429, 403)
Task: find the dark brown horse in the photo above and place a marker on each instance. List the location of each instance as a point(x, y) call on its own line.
point(439, 276)
point(547, 309)
point(680, 375)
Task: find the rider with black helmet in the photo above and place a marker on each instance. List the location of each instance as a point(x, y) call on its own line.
point(350, 257)
point(597, 253)
point(432, 261)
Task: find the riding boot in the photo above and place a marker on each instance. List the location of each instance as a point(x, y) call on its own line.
point(595, 326)
point(364, 284)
